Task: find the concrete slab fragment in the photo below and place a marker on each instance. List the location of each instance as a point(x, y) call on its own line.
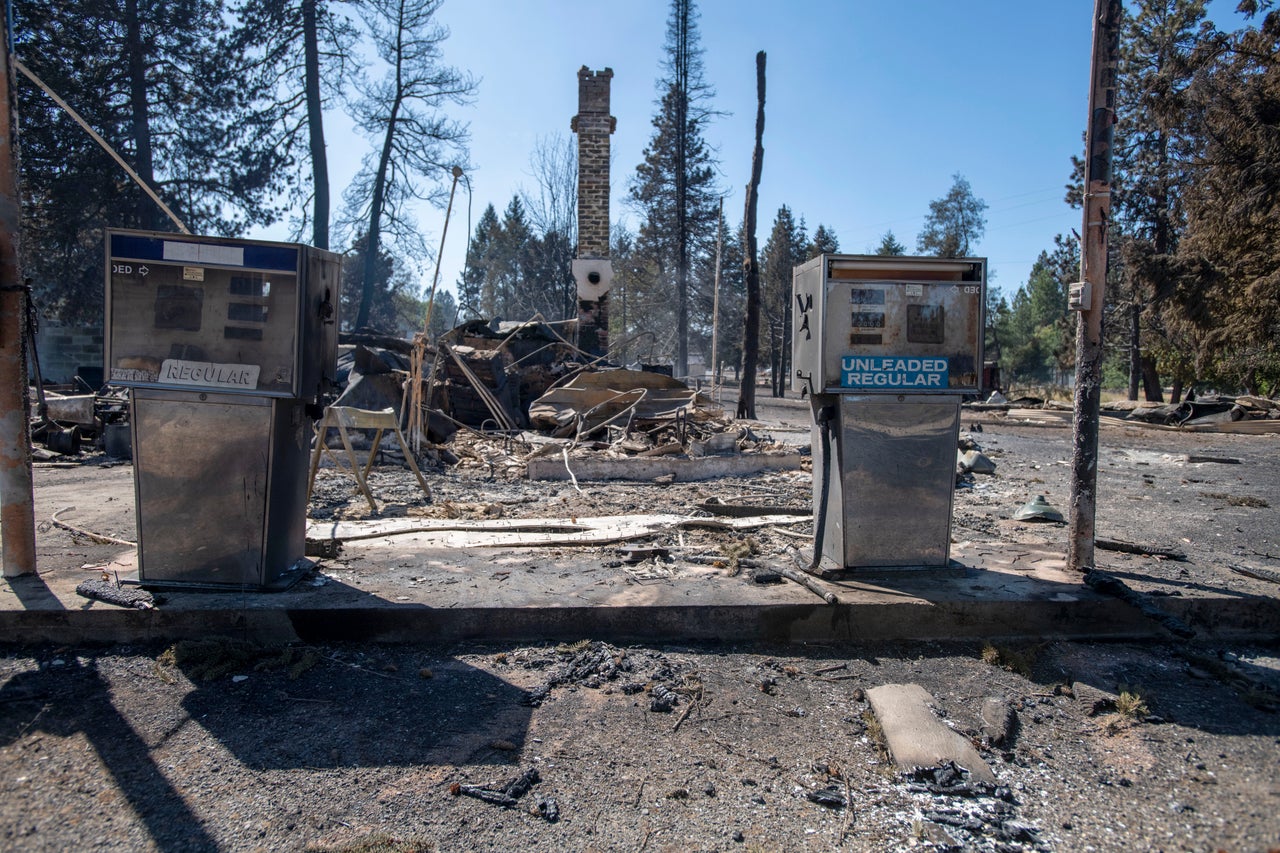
point(915, 735)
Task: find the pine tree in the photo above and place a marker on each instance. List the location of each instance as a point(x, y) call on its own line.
point(674, 187)
point(889, 245)
point(299, 56)
point(444, 314)
point(824, 242)
point(783, 251)
point(161, 83)
point(391, 287)
point(1158, 61)
point(955, 222)
point(511, 253)
point(732, 298)
point(476, 296)
point(1227, 297)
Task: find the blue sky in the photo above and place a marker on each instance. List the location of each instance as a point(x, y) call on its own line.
point(871, 108)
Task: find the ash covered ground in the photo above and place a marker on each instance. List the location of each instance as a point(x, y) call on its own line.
point(1117, 746)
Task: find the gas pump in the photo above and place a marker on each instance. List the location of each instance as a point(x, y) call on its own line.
point(885, 348)
point(229, 347)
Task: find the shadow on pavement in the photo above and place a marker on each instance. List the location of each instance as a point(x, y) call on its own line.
point(338, 708)
point(75, 699)
point(395, 707)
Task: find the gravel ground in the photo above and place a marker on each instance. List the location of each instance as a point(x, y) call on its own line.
point(226, 747)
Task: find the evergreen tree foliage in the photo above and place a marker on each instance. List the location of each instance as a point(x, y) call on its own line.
point(476, 295)
point(512, 271)
point(553, 214)
point(394, 308)
point(955, 224)
point(298, 60)
point(784, 250)
point(674, 187)
point(1040, 330)
point(510, 262)
point(444, 314)
point(732, 299)
point(889, 245)
point(824, 242)
point(163, 84)
point(641, 318)
point(1159, 46)
point(1226, 300)
point(1033, 335)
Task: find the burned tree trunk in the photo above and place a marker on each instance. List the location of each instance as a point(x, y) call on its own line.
point(751, 334)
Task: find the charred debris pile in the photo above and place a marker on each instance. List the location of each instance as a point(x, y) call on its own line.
point(486, 387)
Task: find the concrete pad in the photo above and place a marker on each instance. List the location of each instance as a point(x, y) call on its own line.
point(916, 737)
point(411, 588)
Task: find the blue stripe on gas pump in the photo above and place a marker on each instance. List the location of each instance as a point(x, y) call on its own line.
point(282, 257)
point(890, 372)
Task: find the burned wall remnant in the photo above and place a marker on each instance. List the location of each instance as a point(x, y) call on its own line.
point(592, 269)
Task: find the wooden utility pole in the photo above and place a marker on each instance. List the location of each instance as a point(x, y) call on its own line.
point(1090, 295)
point(17, 516)
point(751, 334)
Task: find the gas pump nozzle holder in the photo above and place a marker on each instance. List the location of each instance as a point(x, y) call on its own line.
point(890, 345)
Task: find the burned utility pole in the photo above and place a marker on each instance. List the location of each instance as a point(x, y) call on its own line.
point(17, 512)
point(1089, 295)
point(592, 269)
point(750, 269)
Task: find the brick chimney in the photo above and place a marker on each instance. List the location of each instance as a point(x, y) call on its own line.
point(591, 267)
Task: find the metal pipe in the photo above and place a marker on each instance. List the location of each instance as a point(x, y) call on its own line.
point(106, 146)
point(715, 299)
point(17, 512)
point(444, 232)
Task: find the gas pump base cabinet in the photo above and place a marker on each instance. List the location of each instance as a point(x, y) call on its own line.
point(229, 347)
point(885, 348)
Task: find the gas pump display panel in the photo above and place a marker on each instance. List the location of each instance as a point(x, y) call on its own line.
point(870, 325)
point(205, 314)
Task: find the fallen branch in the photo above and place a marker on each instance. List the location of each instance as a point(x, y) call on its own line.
point(112, 593)
point(1259, 574)
point(684, 715)
point(831, 668)
point(1144, 550)
point(1221, 460)
point(808, 583)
